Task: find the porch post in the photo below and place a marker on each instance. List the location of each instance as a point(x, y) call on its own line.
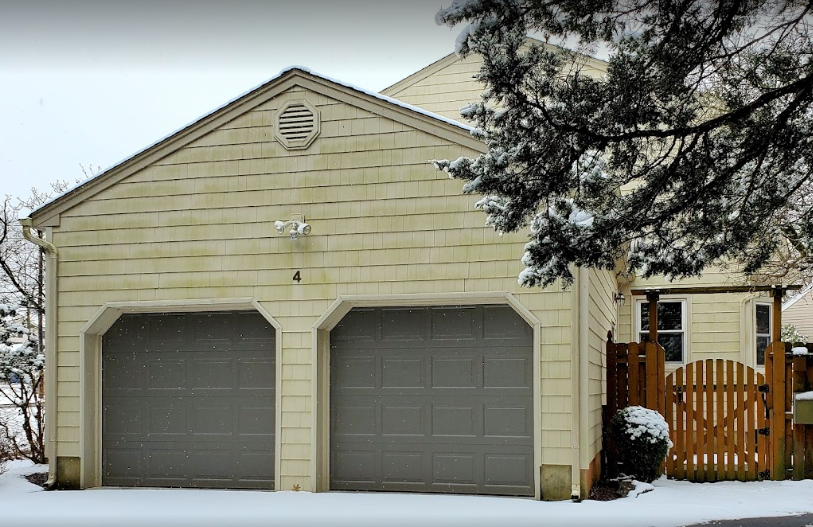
point(652, 298)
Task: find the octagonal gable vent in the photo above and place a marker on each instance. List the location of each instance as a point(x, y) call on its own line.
point(296, 124)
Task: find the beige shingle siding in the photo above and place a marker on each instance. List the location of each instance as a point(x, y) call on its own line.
point(602, 313)
point(200, 224)
point(448, 85)
point(445, 91)
point(800, 314)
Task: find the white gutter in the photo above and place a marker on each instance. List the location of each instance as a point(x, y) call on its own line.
point(50, 346)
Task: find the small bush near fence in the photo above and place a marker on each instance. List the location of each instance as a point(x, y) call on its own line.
point(642, 438)
point(6, 450)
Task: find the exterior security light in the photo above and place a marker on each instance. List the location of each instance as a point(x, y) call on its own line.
point(295, 227)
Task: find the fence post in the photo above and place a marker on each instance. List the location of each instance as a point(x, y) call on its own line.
point(776, 351)
point(799, 378)
point(612, 376)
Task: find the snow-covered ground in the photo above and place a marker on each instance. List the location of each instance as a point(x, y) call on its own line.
point(671, 503)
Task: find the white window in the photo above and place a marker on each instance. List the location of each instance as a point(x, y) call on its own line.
point(762, 330)
point(671, 326)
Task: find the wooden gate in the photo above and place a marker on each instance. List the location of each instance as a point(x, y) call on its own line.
point(716, 413)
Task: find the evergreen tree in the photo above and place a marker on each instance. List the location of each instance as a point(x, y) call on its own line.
point(693, 149)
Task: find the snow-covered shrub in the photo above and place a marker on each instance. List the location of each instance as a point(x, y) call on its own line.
point(791, 334)
point(642, 439)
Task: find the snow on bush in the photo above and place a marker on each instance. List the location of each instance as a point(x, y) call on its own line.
point(642, 439)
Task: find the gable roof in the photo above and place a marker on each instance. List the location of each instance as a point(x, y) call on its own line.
point(421, 74)
point(451, 58)
point(418, 118)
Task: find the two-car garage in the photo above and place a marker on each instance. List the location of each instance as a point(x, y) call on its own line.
point(427, 399)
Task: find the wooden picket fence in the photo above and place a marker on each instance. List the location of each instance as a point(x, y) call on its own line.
point(791, 444)
point(727, 421)
point(635, 373)
point(716, 415)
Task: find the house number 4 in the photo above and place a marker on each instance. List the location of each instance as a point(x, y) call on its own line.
point(297, 277)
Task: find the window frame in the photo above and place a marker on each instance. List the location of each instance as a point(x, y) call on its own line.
point(684, 323)
point(755, 334)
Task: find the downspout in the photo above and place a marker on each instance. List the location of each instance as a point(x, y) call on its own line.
point(50, 346)
point(584, 369)
point(575, 382)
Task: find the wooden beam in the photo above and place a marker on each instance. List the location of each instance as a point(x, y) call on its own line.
point(710, 290)
point(776, 316)
point(652, 298)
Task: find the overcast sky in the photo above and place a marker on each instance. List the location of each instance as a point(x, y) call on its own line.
point(92, 82)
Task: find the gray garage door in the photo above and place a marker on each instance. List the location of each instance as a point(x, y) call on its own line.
point(188, 401)
point(433, 400)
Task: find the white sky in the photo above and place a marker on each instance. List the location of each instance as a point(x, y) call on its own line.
point(94, 81)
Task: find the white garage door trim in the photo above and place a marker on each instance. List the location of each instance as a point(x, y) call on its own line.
point(320, 471)
point(90, 360)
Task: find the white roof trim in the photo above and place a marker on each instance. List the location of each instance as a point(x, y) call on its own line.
point(804, 292)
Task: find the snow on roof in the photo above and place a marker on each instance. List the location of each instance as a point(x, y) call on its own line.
point(303, 69)
point(380, 97)
point(798, 297)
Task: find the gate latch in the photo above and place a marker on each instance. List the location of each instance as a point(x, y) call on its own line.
point(764, 388)
point(764, 431)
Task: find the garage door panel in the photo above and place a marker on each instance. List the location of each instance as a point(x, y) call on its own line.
point(125, 465)
point(353, 466)
point(454, 421)
point(166, 417)
point(454, 372)
point(359, 325)
point(450, 402)
point(123, 372)
point(357, 420)
point(398, 325)
point(166, 374)
point(256, 375)
point(403, 467)
point(454, 467)
point(454, 324)
point(253, 421)
point(204, 414)
point(507, 372)
point(210, 374)
point(167, 464)
point(256, 465)
point(507, 422)
point(402, 372)
point(400, 420)
point(212, 418)
point(353, 372)
point(122, 419)
point(508, 470)
point(501, 322)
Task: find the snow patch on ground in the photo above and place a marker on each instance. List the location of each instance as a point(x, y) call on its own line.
point(667, 504)
point(640, 488)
